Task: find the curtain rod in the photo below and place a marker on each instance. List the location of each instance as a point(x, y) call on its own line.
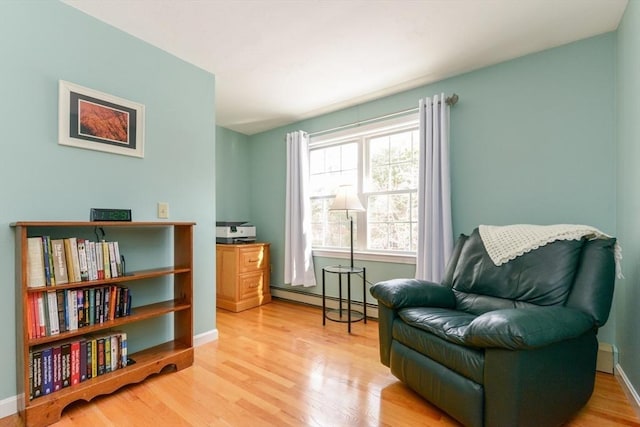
point(450, 101)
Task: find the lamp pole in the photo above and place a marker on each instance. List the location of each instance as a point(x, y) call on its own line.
point(351, 234)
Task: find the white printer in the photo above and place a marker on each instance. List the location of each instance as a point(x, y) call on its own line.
point(235, 232)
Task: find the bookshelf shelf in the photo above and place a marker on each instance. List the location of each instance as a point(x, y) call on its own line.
point(134, 275)
point(178, 353)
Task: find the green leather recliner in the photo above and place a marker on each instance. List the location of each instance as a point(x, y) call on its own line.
point(508, 346)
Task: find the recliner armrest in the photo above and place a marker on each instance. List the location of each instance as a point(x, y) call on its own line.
point(400, 293)
point(527, 328)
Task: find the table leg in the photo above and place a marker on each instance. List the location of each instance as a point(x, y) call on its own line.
point(324, 312)
point(340, 294)
point(364, 293)
point(349, 302)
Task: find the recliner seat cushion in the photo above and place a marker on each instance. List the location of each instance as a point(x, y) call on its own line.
point(445, 323)
point(466, 361)
point(541, 277)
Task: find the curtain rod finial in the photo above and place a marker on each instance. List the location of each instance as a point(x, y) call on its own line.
point(452, 100)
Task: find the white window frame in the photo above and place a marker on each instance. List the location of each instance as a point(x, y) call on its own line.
point(360, 134)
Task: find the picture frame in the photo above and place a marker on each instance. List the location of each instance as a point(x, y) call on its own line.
point(98, 121)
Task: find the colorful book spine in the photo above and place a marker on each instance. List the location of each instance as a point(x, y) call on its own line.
point(37, 373)
point(47, 371)
point(83, 360)
point(57, 368)
point(75, 362)
point(48, 273)
point(65, 350)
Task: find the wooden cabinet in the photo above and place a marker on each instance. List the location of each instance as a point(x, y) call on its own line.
point(242, 276)
point(178, 352)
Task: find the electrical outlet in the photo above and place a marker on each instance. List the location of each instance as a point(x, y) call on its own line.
point(163, 210)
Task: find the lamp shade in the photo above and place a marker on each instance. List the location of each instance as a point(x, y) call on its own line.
point(346, 200)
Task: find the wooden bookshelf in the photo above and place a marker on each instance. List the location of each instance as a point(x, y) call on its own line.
point(177, 353)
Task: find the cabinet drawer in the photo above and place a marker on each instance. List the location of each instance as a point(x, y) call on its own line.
point(251, 285)
point(252, 259)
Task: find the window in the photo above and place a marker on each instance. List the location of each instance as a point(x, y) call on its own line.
point(381, 162)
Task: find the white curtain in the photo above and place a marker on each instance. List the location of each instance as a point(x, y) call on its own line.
point(435, 234)
point(298, 259)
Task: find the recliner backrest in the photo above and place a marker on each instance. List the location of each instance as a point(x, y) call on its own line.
point(544, 276)
point(592, 290)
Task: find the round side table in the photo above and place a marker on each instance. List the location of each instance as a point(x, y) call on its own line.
point(340, 314)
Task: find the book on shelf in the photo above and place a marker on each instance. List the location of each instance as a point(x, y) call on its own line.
point(75, 362)
point(82, 260)
point(112, 258)
point(42, 324)
point(31, 316)
point(80, 307)
point(65, 350)
point(66, 363)
point(75, 259)
point(53, 312)
point(46, 261)
point(47, 370)
point(69, 259)
point(57, 368)
point(106, 260)
point(35, 263)
point(52, 303)
point(83, 360)
point(62, 306)
point(52, 262)
point(35, 358)
point(59, 262)
point(116, 251)
point(91, 260)
point(99, 260)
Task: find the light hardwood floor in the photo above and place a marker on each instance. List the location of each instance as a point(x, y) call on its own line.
point(276, 365)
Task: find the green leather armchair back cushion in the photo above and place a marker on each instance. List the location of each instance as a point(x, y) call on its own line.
point(541, 277)
point(592, 290)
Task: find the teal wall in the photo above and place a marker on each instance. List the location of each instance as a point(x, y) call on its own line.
point(43, 42)
point(233, 175)
point(532, 141)
point(628, 194)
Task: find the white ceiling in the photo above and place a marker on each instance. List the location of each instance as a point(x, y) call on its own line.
point(280, 61)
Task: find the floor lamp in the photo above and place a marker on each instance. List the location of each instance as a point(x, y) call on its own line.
point(347, 200)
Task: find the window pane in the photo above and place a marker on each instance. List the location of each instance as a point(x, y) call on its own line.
point(379, 178)
point(401, 147)
point(403, 176)
point(379, 150)
point(399, 207)
point(378, 235)
point(349, 157)
point(399, 236)
point(331, 167)
point(390, 174)
point(378, 208)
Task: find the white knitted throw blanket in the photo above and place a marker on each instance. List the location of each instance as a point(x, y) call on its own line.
point(504, 243)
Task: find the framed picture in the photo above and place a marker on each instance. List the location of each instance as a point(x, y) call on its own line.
point(98, 121)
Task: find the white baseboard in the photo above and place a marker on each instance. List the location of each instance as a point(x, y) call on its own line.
point(8, 406)
point(205, 337)
point(308, 298)
point(629, 391)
